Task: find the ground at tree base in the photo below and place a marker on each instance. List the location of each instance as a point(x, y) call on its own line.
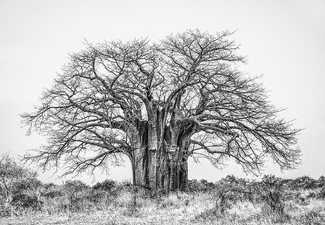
point(180, 208)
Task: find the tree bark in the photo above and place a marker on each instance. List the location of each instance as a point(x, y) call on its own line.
point(163, 168)
point(178, 172)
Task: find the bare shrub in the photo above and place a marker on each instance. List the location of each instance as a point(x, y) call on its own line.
point(76, 192)
point(272, 195)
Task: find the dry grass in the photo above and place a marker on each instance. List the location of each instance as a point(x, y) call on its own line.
point(178, 208)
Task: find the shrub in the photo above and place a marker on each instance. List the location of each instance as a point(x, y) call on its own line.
point(24, 201)
point(304, 182)
point(201, 186)
point(272, 195)
point(14, 179)
point(106, 185)
point(51, 191)
point(321, 193)
point(77, 193)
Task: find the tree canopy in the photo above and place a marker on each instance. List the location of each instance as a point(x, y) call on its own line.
point(159, 103)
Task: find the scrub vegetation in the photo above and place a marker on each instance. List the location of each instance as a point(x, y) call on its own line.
point(231, 200)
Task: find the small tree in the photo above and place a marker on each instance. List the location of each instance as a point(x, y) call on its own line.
point(76, 191)
point(74, 187)
point(12, 174)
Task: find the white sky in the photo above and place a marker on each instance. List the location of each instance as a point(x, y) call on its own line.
point(284, 40)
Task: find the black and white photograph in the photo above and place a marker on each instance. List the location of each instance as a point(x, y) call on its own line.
point(162, 112)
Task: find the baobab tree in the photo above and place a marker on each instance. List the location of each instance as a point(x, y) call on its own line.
point(159, 104)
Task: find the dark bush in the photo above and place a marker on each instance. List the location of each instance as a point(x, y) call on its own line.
point(304, 182)
point(202, 185)
point(24, 201)
point(272, 194)
point(51, 191)
point(321, 181)
point(106, 185)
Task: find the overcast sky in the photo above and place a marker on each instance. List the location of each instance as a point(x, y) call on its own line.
point(283, 40)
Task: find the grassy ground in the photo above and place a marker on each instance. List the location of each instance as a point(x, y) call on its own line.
point(181, 208)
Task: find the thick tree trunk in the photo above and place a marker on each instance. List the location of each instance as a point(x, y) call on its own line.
point(171, 175)
point(178, 172)
point(159, 158)
point(143, 156)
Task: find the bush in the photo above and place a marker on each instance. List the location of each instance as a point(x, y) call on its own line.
point(201, 186)
point(15, 179)
point(77, 192)
point(304, 182)
point(321, 193)
point(24, 201)
point(272, 195)
point(51, 191)
point(106, 185)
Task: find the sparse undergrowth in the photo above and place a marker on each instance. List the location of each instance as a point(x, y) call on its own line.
point(229, 201)
point(177, 208)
